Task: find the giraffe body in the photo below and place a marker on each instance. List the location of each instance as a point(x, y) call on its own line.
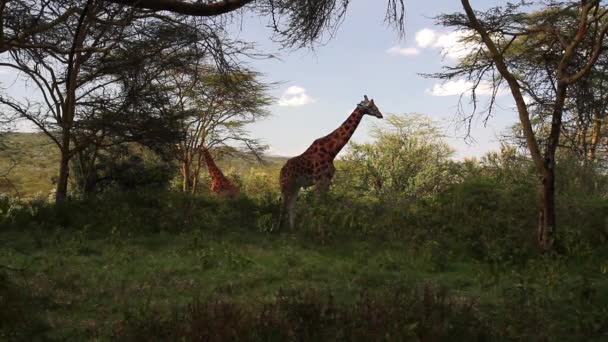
point(315, 166)
point(219, 183)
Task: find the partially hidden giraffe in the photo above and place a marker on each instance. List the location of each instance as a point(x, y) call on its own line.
point(219, 183)
point(315, 166)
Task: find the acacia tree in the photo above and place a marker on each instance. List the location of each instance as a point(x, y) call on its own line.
point(541, 56)
point(73, 65)
point(38, 59)
point(215, 109)
point(296, 23)
point(128, 116)
point(584, 132)
point(584, 129)
point(585, 108)
point(36, 32)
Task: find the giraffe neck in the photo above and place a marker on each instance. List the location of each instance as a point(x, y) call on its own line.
point(342, 134)
point(214, 171)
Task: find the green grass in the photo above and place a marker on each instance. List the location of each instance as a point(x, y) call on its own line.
point(87, 282)
point(157, 265)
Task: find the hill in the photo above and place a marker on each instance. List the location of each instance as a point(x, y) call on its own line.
point(28, 162)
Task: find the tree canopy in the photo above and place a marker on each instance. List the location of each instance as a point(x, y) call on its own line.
point(541, 56)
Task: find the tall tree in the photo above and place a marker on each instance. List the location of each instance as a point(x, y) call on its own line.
point(296, 23)
point(74, 65)
point(539, 56)
point(215, 109)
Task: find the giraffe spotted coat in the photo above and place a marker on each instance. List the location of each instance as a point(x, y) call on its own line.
point(219, 183)
point(315, 166)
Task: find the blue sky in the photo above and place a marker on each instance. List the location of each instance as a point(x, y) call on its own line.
point(322, 87)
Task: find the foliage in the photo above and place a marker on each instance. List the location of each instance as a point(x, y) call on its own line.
point(215, 109)
point(125, 168)
point(456, 261)
point(295, 23)
point(545, 58)
point(149, 263)
point(91, 68)
point(425, 312)
point(407, 161)
point(19, 316)
point(35, 160)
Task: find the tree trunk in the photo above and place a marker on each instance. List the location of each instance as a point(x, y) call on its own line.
point(64, 172)
point(544, 165)
point(194, 184)
point(196, 174)
point(185, 176)
point(546, 220)
point(90, 176)
point(69, 107)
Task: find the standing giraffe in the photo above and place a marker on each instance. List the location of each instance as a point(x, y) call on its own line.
point(219, 183)
point(315, 166)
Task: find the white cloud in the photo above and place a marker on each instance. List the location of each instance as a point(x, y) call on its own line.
point(294, 90)
point(399, 51)
point(458, 87)
point(425, 37)
point(295, 96)
point(452, 44)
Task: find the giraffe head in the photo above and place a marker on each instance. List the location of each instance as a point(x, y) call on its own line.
point(369, 107)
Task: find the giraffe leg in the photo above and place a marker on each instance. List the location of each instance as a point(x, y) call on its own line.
point(282, 209)
point(323, 183)
point(288, 208)
point(322, 186)
point(291, 210)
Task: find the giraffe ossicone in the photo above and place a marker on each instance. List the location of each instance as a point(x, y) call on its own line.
point(315, 166)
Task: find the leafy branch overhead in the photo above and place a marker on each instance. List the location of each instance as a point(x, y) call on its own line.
point(296, 23)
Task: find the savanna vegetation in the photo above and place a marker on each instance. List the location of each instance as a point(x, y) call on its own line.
point(108, 230)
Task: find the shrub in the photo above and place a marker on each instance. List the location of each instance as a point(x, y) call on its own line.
point(19, 318)
point(426, 313)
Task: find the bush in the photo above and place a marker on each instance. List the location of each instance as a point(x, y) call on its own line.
point(142, 211)
point(425, 313)
point(122, 167)
point(408, 160)
point(492, 220)
point(19, 318)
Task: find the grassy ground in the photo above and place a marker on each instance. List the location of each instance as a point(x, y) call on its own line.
point(156, 265)
point(86, 284)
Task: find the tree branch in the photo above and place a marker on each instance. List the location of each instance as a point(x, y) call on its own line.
point(497, 57)
point(188, 8)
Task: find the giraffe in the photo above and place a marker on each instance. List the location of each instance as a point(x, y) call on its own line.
point(315, 166)
point(219, 183)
